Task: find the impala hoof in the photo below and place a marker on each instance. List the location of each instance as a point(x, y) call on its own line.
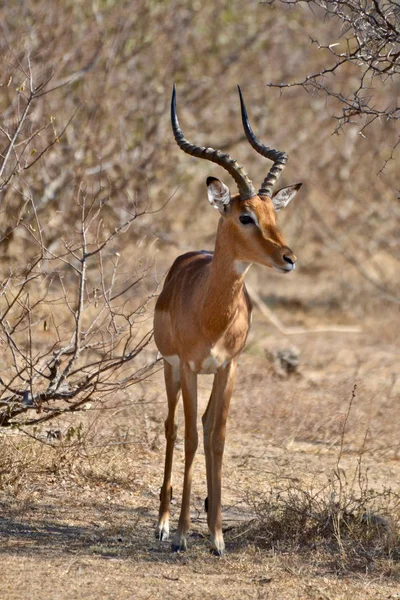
point(217, 546)
point(162, 532)
point(179, 545)
point(217, 552)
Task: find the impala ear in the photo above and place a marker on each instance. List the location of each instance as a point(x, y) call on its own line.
point(219, 195)
point(283, 196)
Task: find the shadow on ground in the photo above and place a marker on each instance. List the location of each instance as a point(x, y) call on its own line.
point(114, 530)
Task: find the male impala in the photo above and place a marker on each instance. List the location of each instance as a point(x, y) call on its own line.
point(203, 314)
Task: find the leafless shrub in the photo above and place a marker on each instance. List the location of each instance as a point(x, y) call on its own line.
point(68, 331)
point(369, 43)
point(72, 319)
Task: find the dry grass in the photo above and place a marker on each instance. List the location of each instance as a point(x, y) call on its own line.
point(332, 527)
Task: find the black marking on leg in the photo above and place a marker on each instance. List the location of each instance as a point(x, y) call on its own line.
point(216, 552)
point(161, 535)
point(206, 504)
point(171, 493)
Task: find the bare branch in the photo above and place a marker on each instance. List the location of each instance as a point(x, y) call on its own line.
point(372, 47)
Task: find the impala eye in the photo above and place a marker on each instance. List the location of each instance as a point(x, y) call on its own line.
point(246, 220)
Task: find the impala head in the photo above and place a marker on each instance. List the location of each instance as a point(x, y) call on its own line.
point(250, 217)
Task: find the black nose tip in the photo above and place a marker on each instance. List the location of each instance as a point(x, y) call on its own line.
point(288, 260)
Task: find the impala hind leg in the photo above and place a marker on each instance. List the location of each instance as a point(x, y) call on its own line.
point(173, 387)
point(189, 395)
point(214, 425)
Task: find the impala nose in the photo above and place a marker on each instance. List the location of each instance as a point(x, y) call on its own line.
point(290, 259)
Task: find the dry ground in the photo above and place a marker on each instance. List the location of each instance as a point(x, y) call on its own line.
point(78, 522)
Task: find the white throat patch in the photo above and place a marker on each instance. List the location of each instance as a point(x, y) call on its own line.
point(241, 268)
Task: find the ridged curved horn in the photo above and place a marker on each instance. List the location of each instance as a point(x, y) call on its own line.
point(244, 184)
point(279, 158)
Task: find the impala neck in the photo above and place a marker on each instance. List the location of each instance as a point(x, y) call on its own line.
point(224, 286)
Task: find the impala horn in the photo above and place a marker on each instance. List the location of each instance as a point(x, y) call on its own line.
point(244, 184)
point(279, 158)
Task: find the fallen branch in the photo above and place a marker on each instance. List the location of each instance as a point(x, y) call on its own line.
point(272, 318)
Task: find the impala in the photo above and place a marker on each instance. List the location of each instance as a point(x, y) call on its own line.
point(203, 314)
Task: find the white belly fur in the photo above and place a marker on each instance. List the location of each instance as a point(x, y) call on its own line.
point(173, 360)
point(210, 365)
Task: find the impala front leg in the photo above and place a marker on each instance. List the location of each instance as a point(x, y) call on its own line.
point(173, 386)
point(189, 395)
point(214, 425)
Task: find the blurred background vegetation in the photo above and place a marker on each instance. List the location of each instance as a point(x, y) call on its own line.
point(107, 70)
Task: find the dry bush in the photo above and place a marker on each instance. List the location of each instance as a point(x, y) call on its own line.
point(69, 331)
point(106, 445)
point(68, 328)
point(345, 522)
point(72, 319)
point(345, 528)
